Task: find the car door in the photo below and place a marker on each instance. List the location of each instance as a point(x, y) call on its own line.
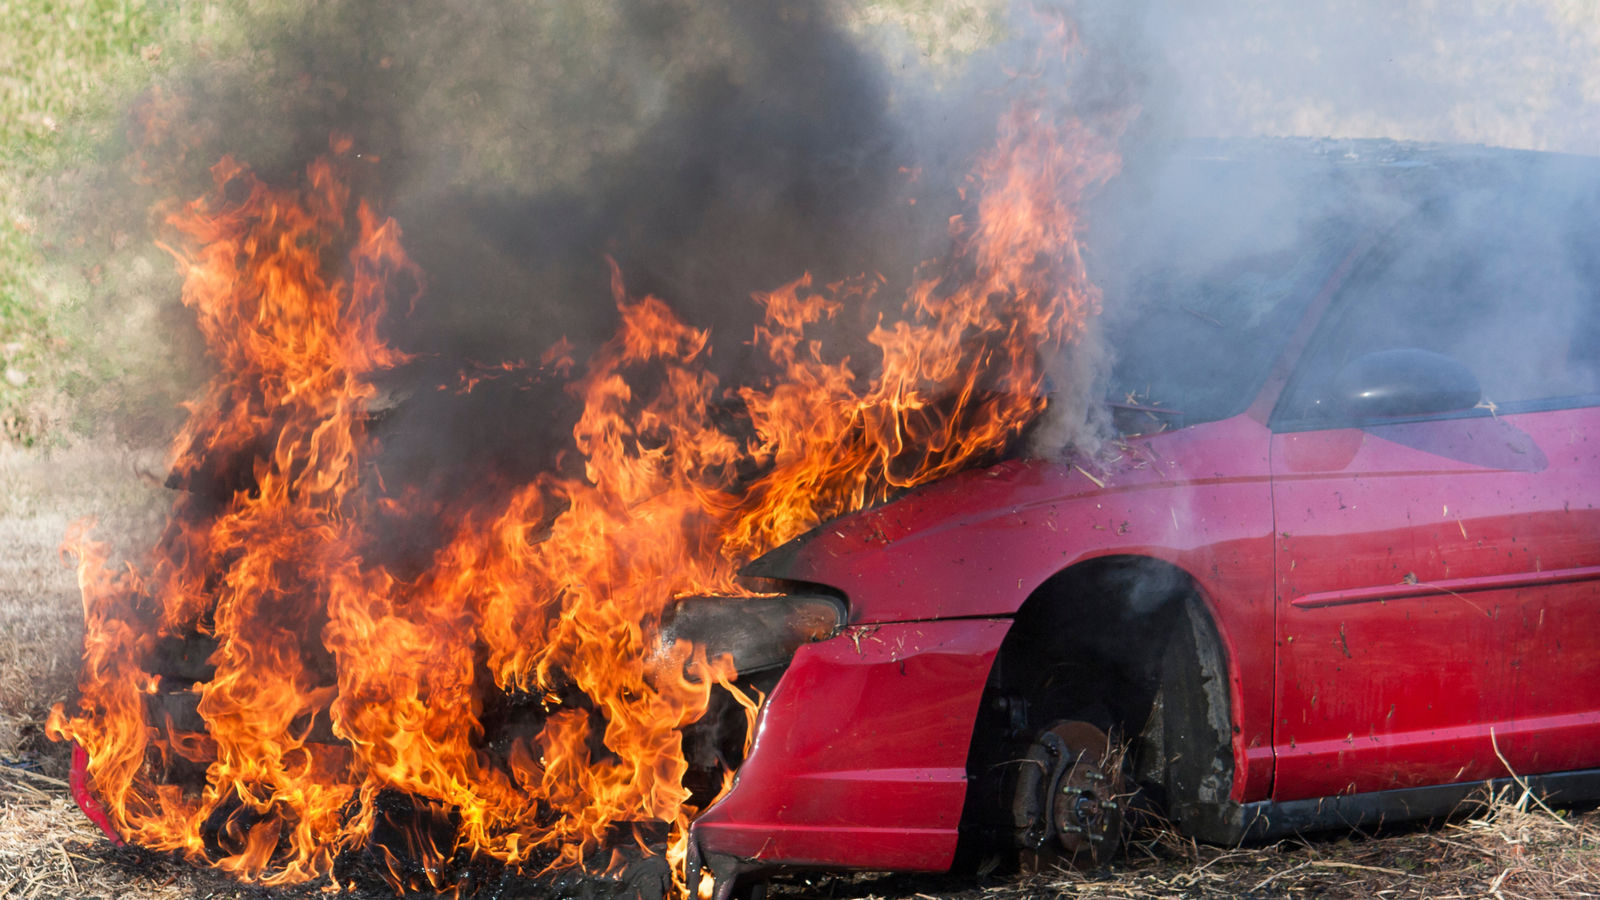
point(1437, 558)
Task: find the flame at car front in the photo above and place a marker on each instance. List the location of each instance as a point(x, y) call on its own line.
point(557, 592)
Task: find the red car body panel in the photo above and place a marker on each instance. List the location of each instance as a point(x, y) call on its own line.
point(1438, 579)
point(1199, 498)
point(860, 754)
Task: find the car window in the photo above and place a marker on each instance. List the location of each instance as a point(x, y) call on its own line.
point(1503, 283)
point(1204, 340)
point(1208, 263)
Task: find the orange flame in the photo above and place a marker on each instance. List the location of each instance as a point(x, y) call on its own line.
point(558, 591)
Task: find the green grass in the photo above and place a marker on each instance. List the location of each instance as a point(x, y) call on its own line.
point(67, 71)
point(60, 64)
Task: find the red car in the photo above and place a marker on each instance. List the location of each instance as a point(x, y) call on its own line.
point(1342, 567)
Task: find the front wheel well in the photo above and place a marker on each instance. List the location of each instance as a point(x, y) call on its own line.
point(1124, 643)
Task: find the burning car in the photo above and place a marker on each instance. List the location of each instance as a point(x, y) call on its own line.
point(1337, 565)
point(1341, 568)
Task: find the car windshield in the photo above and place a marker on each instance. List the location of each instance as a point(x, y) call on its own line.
point(1202, 342)
point(1208, 263)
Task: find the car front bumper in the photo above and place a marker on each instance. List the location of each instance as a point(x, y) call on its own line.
point(859, 758)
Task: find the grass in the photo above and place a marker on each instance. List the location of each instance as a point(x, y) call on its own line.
point(65, 68)
point(1506, 848)
point(76, 289)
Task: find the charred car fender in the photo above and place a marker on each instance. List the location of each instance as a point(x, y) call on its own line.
point(1201, 755)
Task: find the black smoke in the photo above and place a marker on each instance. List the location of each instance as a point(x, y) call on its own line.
point(712, 149)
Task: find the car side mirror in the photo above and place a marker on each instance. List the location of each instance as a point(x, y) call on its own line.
point(1403, 383)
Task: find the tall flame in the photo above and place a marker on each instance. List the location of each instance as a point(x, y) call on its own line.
point(556, 592)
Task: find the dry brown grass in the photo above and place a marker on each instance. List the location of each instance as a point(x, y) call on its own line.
point(48, 849)
point(1507, 850)
point(40, 627)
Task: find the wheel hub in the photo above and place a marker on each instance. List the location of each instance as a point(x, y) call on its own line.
point(1067, 806)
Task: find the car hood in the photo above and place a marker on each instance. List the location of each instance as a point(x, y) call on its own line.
point(976, 543)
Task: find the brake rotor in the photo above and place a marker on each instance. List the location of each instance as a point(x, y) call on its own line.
point(1068, 801)
point(1086, 807)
